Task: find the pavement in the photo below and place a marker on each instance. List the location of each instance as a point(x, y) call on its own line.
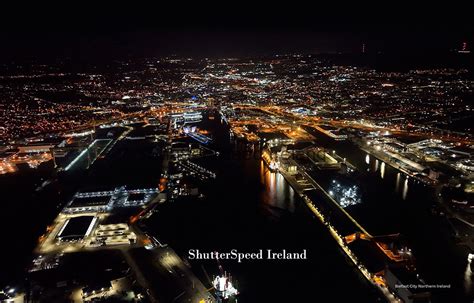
point(165, 276)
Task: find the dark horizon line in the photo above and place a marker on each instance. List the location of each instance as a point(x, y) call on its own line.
point(405, 60)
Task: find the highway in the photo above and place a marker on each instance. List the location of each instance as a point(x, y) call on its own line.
point(421, 132)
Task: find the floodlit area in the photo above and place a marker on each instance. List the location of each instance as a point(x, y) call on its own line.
point(106, 201)
point(64, 236)
point(32, 159)
point(345, 195)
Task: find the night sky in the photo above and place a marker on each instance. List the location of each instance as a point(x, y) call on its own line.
point(229, 29)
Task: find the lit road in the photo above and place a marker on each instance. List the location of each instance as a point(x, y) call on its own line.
point(433, 133)
point(166, 277)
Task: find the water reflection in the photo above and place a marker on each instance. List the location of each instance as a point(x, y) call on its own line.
point(468, 278)
point(397, 183)
point(381, 166)
point(405, 189)
point(262, 172)
point(278, 193)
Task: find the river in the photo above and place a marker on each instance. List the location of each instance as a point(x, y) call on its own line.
point(247, 208)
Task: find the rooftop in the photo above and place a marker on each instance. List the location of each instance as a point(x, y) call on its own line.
point(76, 228)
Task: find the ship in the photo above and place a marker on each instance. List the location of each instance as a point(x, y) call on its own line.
point(268, 159)
point(224, 289)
